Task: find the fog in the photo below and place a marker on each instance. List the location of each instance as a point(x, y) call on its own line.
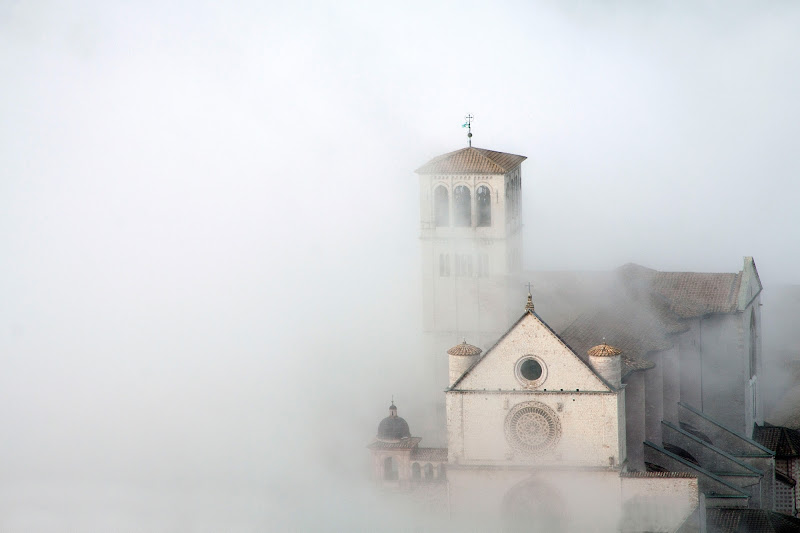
point(209, 221)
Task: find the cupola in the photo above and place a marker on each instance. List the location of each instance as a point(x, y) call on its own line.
point(393, 428)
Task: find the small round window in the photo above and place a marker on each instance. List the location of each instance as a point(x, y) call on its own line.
point(531, 371)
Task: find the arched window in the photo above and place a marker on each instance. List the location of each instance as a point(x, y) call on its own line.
point(442, 472)
point(462, 200)
point(389, 468)
point(484, 197)
point(415, 471)
point(441, 206)
point(429, 471)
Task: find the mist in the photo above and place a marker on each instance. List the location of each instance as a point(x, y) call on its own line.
point(209, 222)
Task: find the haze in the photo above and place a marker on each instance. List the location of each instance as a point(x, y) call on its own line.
point(209, 218)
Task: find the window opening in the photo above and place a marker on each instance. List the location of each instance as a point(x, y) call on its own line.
point(463, 206)
point(389, 468)
point(484, 197)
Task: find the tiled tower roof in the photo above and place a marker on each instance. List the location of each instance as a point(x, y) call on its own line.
point(472, 161)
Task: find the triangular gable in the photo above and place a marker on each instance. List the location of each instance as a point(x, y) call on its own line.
point(530, 335)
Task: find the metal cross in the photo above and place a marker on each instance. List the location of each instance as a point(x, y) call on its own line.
point(468, 124)
point(529, 287)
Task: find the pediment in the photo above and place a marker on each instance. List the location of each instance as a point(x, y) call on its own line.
point(501, 367)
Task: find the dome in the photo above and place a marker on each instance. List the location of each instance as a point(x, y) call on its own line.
point(464, 349)
point(603, 350)
point(393, 427)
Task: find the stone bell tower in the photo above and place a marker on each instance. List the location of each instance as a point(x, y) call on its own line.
point(470, 228)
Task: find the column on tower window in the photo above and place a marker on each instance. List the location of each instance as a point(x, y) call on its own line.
point(484, 197)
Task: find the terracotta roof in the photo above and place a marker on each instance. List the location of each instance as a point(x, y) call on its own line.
point(785, 442)
point(464, 349)
point(657, 474)
point(430, 454)
point(603, 350)
point(741, 520)
point(472, 161)
point(409, 442)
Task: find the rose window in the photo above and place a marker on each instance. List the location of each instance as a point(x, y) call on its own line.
point(532, 427)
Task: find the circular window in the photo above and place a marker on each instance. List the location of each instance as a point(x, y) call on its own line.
point(531, 371)
point(532, 427)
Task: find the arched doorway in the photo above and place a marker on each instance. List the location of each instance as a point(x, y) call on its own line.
point(533, 506)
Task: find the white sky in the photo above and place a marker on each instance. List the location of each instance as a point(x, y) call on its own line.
point(208, 212)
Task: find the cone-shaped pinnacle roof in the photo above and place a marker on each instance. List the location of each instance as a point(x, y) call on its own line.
point(464, 349)
point(603, 350)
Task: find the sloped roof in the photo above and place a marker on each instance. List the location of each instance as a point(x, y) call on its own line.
point(472, 161)
point(637, 474)
point(623, 324)
point(429, 454)
point(741, 520)
point(402, 444)
point(785, 442)
point(693, 294)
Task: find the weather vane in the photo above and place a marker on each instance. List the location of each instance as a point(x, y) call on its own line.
point(468, 125)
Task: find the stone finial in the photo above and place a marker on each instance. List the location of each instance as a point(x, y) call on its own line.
point(529, 305)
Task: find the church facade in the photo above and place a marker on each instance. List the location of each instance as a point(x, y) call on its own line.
point(634, 396)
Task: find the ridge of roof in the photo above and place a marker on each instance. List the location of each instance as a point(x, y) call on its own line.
point(472, 160)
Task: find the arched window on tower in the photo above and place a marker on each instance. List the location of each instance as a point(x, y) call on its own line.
point(462, 200)
point(484, 197)
point(389, 468)
point(441, 206)
point(415, 471)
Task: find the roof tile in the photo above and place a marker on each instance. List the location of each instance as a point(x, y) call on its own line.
point(472, 161)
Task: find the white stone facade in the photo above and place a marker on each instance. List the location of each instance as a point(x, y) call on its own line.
point(587, 414)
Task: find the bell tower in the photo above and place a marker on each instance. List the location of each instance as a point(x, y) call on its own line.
point(470, 231)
